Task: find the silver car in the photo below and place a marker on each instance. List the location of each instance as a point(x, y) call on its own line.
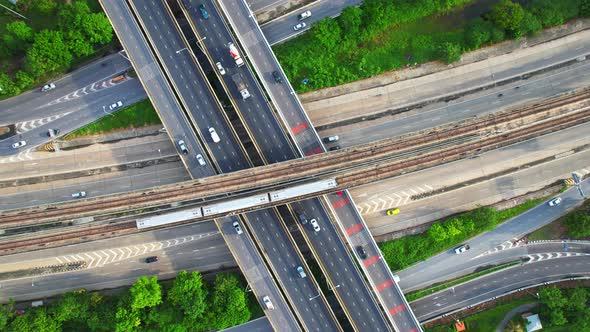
point(237, 227)
point(19, 144)
point(201, 160)
point(220, 67)
point(301, 272)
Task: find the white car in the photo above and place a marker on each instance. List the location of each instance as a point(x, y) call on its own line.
point(182, 147)
point(314, 224)
point(220, 67)
point(305, 14)
point(201, 160)
point(299, 26)
point(237, 227)
point(555, 201)
point(301, 272)
point(19, 144)
point(214, 135)
point(79, 194)
point(461, 249)
point(267, 303)
point(47, 87)
point(116, 105)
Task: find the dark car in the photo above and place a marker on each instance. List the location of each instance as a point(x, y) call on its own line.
point(302, 218)
point(203, 11)
point(361, 252)
point(55, 132)
point(278, 78)
point(151, 259)
point(335, 148)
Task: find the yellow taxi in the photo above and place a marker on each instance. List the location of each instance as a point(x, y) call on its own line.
point(392, 212)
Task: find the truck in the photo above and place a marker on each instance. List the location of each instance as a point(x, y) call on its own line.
point(233, 50)
point(241, 86)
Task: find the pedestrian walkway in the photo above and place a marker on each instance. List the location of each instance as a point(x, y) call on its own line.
point(518, 310)
point(431, 81)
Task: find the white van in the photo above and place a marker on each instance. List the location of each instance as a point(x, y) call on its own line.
point(214, 135)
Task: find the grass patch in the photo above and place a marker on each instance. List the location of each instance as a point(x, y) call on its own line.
point(134, 116)
point(427, 291)
point(485, 321)
point(406, 251)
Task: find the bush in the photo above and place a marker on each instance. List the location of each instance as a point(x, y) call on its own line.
point(450, 52)
point(578, 224)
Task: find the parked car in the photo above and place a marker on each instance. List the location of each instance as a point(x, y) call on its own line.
point(335, 148)
point(79, 194)
point(220, 68)
point(268, 303)
point(277, 77)
point(301, 272)
point(201, 160)
point(47, 87)
point(182, 147)
point(299, 26)
point(237, 227)
point(151, 259)
point(203, 11)
point(314, 224)
point(19, 144)
point(305, 14)
point(554, 202)
point(462, 248)
point(392, 212)
point(361, 252)
point(116, 105)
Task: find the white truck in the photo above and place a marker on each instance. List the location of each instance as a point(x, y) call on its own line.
point(237, 78)
point(233, 50)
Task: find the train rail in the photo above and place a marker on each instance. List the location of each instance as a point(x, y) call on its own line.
point(367, 155)
point(348, 178)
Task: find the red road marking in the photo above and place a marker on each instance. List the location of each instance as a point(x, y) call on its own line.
point(354, 229)
point(384, 285)
point(299, 128)
point(316, 151)
point(340, 203)
point(371, 260)
point(397, 309)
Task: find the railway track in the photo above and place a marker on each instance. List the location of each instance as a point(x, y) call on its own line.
point(370, 156)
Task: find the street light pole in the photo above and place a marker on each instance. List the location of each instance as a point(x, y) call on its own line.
point(313, 297)
point(333, 287)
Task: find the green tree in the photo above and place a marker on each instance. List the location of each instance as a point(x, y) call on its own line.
point(44, 322)
point(77, 43)
point(127, 320)
point(438, 233)
point(557, 318)
point(6, 313)
point(17, 37)
point(577, 300)
point(101, 315)
point(478, 33)
point(72, 15)
point(507, 15)
point(97, 28)
point(71, 306)
point(47, 54)
point(24, 80)
point(552, 297)
point(327, 33)
point(449, 52)
point(578, 224)
point(530, 25)
point(229, 305)
point(188, 292)
point(7, 86)
point(145, 292)
point(42, 6)
point(350, 21)
point(585, 8)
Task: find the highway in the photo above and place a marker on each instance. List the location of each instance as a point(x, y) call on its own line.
point(257, 274)
point(346, 272)
point(157, 87)
point(447, 265)
point(281, 29)
point(497, 284)
point(189, 82)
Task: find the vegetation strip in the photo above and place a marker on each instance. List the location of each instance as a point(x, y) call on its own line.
point(433, 289)
point(444, 235)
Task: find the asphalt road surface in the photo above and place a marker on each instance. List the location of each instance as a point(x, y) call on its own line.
point(447, 265)
point(497, 284)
